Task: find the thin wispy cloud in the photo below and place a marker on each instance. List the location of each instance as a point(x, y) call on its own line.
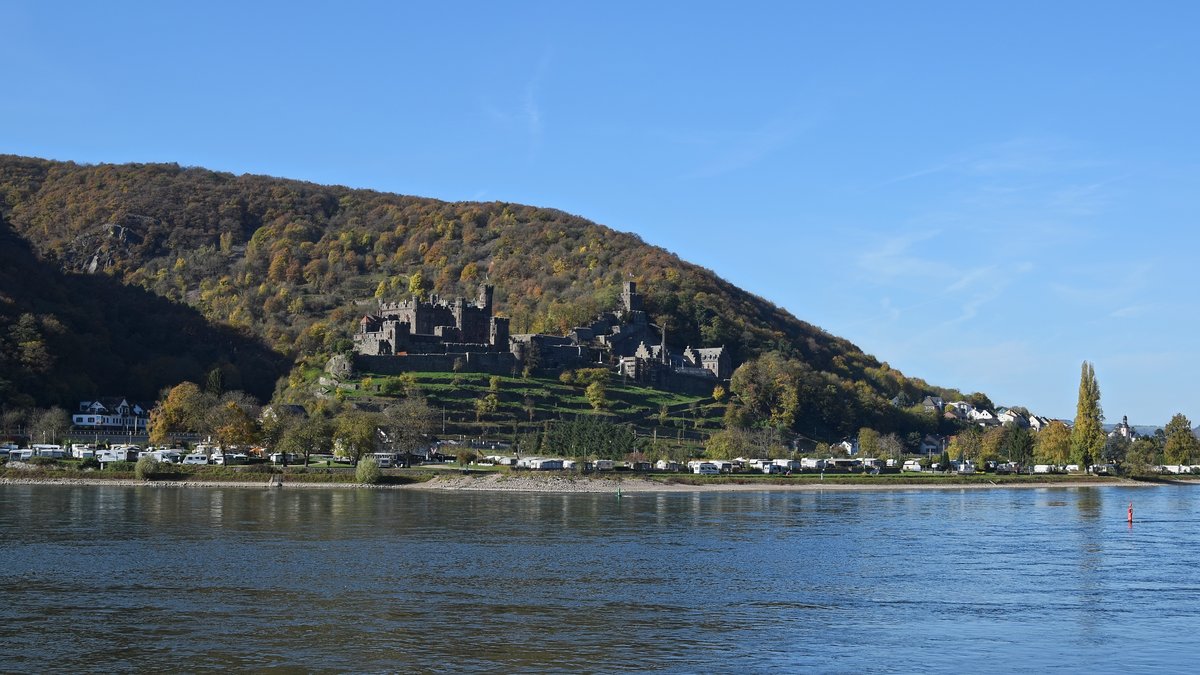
point(746, 149)
point(527, 116)
point(1017, 156)
point(892, 257)
point(531, 108)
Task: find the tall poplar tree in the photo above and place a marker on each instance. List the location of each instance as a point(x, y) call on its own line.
point(1087, 438)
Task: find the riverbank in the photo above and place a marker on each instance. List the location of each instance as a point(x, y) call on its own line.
point(566, 484)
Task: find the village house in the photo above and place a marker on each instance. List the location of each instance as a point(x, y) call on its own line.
point(933, 404)
point(1010, 416)
point(111, 414)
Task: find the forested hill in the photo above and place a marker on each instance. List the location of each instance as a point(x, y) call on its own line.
point(67, 336)
point(291, 262)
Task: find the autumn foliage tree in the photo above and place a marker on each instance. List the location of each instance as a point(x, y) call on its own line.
point(1087, 436)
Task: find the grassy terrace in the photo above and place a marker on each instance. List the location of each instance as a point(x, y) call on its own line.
point(526, 402)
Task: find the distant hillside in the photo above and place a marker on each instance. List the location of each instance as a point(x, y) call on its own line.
point(291, 262)
point(67, 336)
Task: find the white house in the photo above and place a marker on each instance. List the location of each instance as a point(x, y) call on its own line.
point(980, 415)
point(961, 409)
point(1037, 422)
point(1010, 416)
point(111, 414)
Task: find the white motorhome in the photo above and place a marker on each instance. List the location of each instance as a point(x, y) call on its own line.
point(195, 458)
point(47, 450)
point(115, 454)
point(706, 469)
point(911, 465)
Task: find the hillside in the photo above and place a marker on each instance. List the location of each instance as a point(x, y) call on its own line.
point(295, 263)
point(68, 336)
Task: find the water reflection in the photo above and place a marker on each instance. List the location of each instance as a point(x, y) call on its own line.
point(155, 578)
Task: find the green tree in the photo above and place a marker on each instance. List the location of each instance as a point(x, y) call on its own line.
point(1053, 444)
point(355, 433)
point(596, 395)
point(407, 424)
point(146, 468)
point(868, 442)
point(1087, 437)
point(728, 444)
point(1115, 449)
point(416, 284)
point(486, 406)
point(276, 421)
point(367, 471)
point(305, 437)
point(1142, 454)
point(1018, 445)
point(1181, 446)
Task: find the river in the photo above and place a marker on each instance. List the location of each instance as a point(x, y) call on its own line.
point(143, 578)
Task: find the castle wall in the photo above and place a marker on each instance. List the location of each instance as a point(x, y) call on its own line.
point(493, 363)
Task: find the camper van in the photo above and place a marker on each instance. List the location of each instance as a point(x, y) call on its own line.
point(51, 451)
point(116, 454)
point(196, 458)
point(706, 469)
point(911, 465)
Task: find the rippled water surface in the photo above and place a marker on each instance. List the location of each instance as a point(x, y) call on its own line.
point(117, 579)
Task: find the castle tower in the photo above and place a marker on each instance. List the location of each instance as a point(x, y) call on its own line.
point(631, 300)
point(486, 291)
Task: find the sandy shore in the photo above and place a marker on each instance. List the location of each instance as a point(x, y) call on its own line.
point(536, 483)
point(568, 484)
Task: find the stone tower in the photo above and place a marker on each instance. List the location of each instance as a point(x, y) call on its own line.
point(631, 300)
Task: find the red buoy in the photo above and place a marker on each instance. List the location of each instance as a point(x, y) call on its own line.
point(1131, 512)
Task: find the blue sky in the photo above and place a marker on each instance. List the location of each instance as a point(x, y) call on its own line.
point(981, 195)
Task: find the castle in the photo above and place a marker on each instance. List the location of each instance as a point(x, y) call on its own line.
point(437, 326)
point(438, 335)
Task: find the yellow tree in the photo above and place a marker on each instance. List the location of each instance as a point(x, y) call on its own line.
point(234, 426)
point(182, 409)
point(1053, 444)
